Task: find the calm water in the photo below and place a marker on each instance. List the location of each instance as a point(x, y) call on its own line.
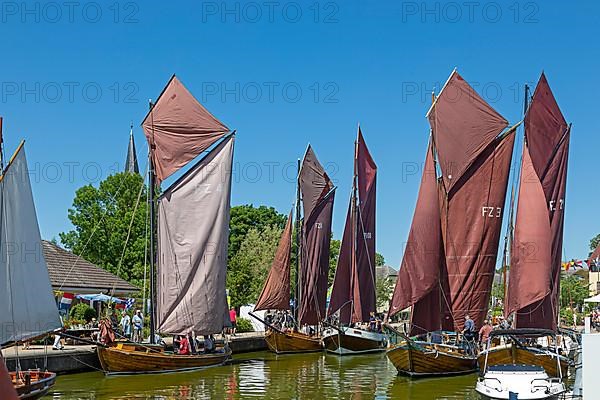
point(265, 375)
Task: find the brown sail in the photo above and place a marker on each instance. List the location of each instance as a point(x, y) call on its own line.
point(419, 274)
point(276, 292)
point(471, 224)
point(178, 129)
point(317, 199)
point(354, 283)
point(537, 246)
point(463, 125)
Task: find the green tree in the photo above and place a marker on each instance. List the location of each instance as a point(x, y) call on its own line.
point(246, 217)
point(379, 260)
point(383, 289)
point(249, 267)
point(573, 291)
point(594, 243)
point(101, 217)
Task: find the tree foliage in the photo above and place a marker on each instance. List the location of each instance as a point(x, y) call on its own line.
point(101, 217)
point(249, 267)
point(594, 243)
point(383, 289)
point(573, 291)
point(246, 217)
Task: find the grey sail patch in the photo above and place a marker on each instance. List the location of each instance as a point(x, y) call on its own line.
point(27, 306)
point(193, 233)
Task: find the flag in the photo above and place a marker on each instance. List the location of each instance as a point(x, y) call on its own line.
point(129, 304)
point(65, 302)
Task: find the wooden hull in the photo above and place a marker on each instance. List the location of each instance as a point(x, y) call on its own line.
point(509, 354)
point(353, 341)
point(292, 342)
point(125, 359)
point(32, 384)
point(430, 360)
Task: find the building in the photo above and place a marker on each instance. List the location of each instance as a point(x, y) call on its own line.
point(386, 272)
point(71, 273)
point(131, 163)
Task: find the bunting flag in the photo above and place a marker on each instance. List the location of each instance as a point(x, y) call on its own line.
point(129, 304)
point(572, 264)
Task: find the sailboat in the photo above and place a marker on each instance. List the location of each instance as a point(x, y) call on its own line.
point(27, 306)
point(535, 257)
point(276, 296)
point(353, 293)
point(193, 229)
point(449, 260)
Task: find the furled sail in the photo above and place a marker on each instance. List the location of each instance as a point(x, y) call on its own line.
point(317, 199)
point(533, 287)
point(276, 292)
point(193, 232)
point(178, 129)
point(354, 283)
point(471, 215)
point(419, 275)
point(463, 125)
point(27, 306)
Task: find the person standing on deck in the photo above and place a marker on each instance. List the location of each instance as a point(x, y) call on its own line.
point(469, 333)
point(138, 325)
point(484, 334)
point(184, 346)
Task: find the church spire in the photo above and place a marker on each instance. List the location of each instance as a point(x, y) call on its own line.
point(131, 164)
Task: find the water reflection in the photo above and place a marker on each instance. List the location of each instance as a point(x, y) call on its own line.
point(265, 375)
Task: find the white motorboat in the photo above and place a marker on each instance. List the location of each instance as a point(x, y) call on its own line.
point(529, 382)
point(517, 380)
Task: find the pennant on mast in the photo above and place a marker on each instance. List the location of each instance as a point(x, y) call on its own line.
point(179, 128)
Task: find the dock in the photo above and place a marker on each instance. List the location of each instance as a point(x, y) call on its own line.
point(75, 358)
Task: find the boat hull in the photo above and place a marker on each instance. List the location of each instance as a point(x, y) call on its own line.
point(292, 342)
point(429, 361)
point(32, 384)
point(509, 354)
point(126, 359)
point(348, 341)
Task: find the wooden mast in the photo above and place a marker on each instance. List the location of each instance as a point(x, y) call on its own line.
point(298, 246)
point(151, 184)
point(354, 214)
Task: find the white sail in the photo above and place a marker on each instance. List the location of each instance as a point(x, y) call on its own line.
point(27, 305)
point(193, 233)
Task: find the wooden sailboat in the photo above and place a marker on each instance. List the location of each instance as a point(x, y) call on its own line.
point(353, 294)
point(450, 257)
point(193, 227)
point(27, 306)
point(535, 256)
point(276, 296)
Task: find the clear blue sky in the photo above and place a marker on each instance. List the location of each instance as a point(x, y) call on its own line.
point(372, 62)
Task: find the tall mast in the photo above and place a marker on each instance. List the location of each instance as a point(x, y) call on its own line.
point(151, 184)
point(298, 250)
point(511, 219)
point(354, 215)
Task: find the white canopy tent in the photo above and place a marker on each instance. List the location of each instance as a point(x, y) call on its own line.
point(594, 299)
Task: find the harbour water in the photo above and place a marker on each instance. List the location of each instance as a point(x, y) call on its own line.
point(265, 375)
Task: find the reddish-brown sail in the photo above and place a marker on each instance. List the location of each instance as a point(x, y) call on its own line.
point(317, 200)
point(178, 129)
point(471, 223)
point(537, 246)
point(419, 275)
point(354, 283)
point(463, 125)
point(276, 292)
